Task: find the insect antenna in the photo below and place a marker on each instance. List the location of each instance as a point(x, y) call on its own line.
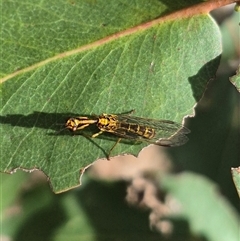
point(62, 129)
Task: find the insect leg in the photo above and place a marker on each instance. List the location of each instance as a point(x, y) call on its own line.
point(97, 134)
point(108, 156)
point(82, 126)
point(129, 112)
point(98, 146)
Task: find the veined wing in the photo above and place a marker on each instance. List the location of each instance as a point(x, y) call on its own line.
point(167, 133)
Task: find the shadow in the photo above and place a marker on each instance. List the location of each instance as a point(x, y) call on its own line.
point(56, 123)
point(114, 219)
point(38, 120)
point(102, 211)
point(213, 147)
point(200, 81)
point(110, 215)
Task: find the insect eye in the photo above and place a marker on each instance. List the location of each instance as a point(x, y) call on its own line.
point(70, 124)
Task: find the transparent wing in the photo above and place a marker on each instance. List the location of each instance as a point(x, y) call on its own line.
point(168, 133)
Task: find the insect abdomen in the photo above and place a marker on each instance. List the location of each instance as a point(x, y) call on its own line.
point(143, 131)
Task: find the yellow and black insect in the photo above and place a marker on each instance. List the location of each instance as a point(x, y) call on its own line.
point(158, 132)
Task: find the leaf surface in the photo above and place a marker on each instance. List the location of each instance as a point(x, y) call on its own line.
point(66, 59)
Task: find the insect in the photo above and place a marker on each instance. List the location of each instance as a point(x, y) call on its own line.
point(125, 126)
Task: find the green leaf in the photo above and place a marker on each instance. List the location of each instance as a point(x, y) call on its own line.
point(18, 202)
point(65, 59)
point(236, 79)
point(8, 185)
point(96, 211)
point(208, 213)
point(236, 178)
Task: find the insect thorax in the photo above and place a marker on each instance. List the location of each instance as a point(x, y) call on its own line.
point(107, 122)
